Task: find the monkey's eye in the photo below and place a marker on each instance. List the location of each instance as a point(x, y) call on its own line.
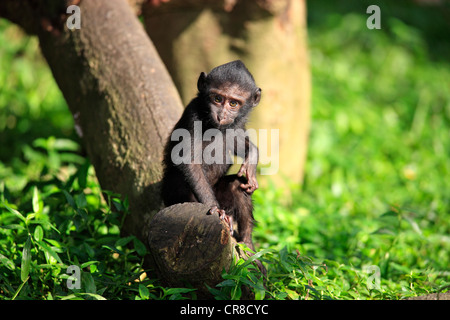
point(218, 99)
point(233, 104)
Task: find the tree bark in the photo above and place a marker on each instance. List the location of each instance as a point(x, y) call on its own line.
point(270, 37)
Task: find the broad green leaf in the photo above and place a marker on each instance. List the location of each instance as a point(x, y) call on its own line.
point(65, 144)
point(15, 212)
point(94, 295)
point(227, 283)
point(81, 200)
point(79, 296)
point(82, 174)
point(45, 223)
point(55, 243)
point(292, 294)
point(124, 241)
point(72, 296)
point(30, 217)
point(140, 247)
point(84, 265)
point(93, 268)
point(6, 262)
point(144, 292)
point(83, 213)
point(171, 291)
point(113, 249)
point(118, 205)
point(69, 199)
point(89, 250)
point(236, 293)
point(49, 252)
point(89, 283)
point(37, 203)
point(38, 233)
point(13, 227)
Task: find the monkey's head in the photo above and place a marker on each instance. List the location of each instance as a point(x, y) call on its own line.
point(228, 93)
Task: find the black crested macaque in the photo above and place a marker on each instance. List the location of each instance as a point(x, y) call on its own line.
point(225, 97)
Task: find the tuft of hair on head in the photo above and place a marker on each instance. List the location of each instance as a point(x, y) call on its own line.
point(234, 72)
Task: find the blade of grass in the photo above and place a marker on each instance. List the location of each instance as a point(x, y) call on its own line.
point(20, 288)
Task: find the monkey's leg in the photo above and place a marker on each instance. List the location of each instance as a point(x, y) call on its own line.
point(237, 204)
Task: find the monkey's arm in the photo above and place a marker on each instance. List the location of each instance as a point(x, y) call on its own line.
point(204, 193)
point(199, 184)
point(248, 168)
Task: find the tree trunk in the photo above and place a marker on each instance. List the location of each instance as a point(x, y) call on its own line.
point(188, 245)
point(270, 37)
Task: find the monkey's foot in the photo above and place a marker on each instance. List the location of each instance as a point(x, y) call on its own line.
point(223, 216)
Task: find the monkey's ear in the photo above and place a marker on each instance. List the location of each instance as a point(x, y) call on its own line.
point(256, 97)
point(201, 83)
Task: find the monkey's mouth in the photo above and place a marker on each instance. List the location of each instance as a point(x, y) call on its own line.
point(224, 122)
point(220, 123)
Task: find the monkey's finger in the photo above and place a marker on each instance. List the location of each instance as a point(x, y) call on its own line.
point(222, 214)
point(243, 171)
point(244, 186)
point(248, 188)
point(229, 220)
point(253, 183)
point(215, 210)
point(212, 210)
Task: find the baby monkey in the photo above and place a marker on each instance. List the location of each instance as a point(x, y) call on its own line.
point(225, 97)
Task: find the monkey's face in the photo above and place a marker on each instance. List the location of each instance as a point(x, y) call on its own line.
point(227, 103)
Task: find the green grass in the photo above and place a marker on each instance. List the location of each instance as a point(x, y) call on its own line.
point(374, 196)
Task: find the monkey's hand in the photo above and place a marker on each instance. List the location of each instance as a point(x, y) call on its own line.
point(250, 173)
point(228, 219)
